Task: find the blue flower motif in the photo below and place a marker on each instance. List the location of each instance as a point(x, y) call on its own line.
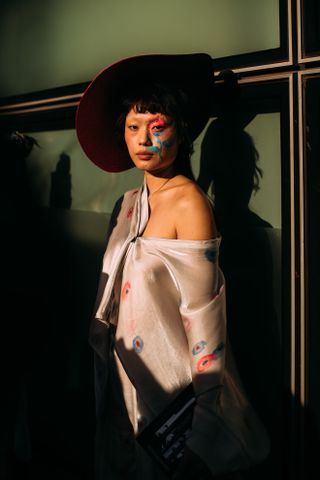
point(219, 349)
point(211, 255)
point(199, 347)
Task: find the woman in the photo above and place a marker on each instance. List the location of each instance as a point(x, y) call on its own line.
point(160, 314)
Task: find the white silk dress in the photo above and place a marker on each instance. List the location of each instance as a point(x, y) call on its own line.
point(165, 301)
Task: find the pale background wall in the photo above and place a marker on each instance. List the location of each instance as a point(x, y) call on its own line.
point(49, 43)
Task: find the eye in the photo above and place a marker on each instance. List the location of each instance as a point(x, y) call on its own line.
point(158, 128)
point(132, 127)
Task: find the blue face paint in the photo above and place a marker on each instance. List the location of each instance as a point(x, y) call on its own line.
point(165, 143)
point(153, 149)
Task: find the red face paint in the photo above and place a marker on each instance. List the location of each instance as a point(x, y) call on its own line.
point(157, 122)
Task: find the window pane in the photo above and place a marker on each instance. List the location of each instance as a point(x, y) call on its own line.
point(312, 151)
point(311, 27)
point(240, 163)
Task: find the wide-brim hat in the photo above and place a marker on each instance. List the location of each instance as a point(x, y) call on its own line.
point(98, 109)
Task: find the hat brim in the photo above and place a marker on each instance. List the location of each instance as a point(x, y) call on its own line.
point(98, 108)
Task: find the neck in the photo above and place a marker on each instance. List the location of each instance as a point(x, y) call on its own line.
point(155, 181)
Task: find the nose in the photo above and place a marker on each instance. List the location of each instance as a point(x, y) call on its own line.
point(145, 137)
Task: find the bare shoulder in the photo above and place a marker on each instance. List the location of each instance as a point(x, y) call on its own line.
point(193, 213)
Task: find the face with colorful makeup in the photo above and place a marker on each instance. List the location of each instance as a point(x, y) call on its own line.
point(152, 140)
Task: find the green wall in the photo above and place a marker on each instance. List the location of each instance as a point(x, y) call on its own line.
point(49, 43)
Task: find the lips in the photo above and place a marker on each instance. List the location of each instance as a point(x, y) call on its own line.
point(145, 155)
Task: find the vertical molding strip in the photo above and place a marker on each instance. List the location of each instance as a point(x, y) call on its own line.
point(302, 243)
point(302, 199)
point(290, 34)
point(293, 349)
point(299, 32)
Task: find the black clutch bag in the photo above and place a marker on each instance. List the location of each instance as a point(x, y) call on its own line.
point(165, 437)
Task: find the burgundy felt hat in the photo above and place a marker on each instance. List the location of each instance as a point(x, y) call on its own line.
point(99, 105)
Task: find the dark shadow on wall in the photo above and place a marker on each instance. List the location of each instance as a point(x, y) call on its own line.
point(228, 163)
point(60, 192)
point(50, 267)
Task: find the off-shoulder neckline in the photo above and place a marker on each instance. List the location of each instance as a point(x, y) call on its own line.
point(180, 242)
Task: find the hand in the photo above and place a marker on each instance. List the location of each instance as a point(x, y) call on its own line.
point(191, 466)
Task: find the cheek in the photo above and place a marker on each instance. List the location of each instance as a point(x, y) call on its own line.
point(128, 142)
point(171, 144)
point(166, 140)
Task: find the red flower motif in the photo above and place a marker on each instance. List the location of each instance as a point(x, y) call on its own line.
point(125, 290)
point(130, 212)
point(205, 362)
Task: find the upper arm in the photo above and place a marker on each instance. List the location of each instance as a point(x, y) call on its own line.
point(194, 216)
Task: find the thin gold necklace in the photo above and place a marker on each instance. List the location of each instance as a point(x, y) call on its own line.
point(157, 189)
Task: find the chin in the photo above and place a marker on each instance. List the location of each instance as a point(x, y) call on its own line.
point(148, 165)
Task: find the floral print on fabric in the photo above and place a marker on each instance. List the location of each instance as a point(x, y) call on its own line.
point(125, 290)
point(217, 352)
point(130, 212)
point(211, 255)
point(199, 347)
point(138, 344)
point(206, 361)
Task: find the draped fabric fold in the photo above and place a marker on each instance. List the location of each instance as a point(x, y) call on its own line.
point(166, 301)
